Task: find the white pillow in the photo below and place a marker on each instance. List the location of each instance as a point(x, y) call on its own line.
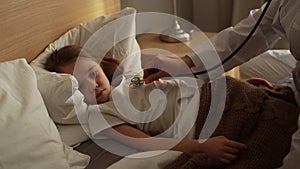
point(274, 65)
point(29, 138)
point(56, 88)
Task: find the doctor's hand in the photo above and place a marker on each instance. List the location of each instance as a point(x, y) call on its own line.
point(158, 66)
point(259, 82)
point(296, 76)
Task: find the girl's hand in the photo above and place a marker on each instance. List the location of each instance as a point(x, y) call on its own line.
point(259, 82)
point(222, 149)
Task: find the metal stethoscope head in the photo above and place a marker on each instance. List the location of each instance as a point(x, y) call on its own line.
point(136, 81)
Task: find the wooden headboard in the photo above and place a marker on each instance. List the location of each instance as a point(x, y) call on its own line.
point(28, 26)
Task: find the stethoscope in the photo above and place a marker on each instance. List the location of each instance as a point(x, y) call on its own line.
point(137, 81)
point(241, 45)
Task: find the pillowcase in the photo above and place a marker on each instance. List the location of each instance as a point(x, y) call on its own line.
point(274, 65)
point(56, 89)
point(29, 138)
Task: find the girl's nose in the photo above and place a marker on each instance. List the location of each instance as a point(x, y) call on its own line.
point(94, 87)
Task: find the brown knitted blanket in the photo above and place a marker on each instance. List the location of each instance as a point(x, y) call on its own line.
point(263, 119)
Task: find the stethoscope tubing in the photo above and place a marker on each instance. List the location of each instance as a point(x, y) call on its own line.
point(240, 46)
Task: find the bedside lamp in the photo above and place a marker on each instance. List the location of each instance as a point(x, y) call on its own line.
point(175, 33)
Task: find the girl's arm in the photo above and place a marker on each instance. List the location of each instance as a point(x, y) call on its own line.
point(219, 148)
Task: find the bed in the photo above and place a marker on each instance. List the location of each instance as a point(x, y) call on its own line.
point(31, 135)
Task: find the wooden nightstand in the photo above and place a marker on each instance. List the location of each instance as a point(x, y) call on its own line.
point(152, 41)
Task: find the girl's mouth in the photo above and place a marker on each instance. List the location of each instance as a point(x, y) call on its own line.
point(100, 93)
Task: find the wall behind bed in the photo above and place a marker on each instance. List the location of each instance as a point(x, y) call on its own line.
point(28, 26)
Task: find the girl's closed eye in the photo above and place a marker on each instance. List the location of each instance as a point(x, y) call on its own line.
point(93, 74)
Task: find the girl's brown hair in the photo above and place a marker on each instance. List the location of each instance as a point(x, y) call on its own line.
point(70, 53)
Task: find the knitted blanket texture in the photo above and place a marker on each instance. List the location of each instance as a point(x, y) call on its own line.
point(261, 118)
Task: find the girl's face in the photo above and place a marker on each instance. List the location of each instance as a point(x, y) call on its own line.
point(93, 83)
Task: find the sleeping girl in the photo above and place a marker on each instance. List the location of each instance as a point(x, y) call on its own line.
point(95, 84)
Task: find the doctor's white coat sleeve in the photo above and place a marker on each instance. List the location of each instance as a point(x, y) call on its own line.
point(226, 41)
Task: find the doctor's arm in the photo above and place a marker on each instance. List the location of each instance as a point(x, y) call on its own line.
point(228, 40)
point(225, 42)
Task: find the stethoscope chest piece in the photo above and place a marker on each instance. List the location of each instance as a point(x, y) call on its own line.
point(136, 81)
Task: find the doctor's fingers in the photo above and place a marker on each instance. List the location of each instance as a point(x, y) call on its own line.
point(150, 71)
point(297, 68)
point(296, 75)
point(172, 65)
point(150, 61)
point(150, 77)
point(260, 82)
